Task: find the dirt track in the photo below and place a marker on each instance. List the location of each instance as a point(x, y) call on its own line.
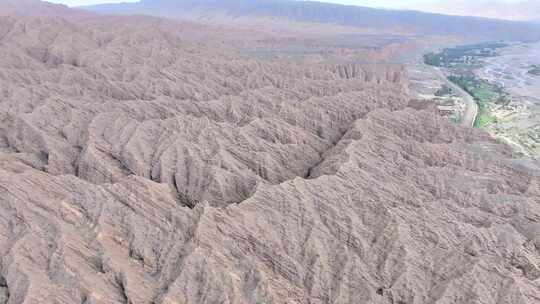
point(469, 117)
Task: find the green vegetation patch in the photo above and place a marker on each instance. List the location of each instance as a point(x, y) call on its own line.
point(461, 62)
point(535, 70)
point(484, 93)
point(434, 59)
point(456, 118)
point(444, 91)
point(484, 117)
point(463, 54)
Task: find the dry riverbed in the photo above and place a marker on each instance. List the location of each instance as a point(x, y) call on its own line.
point(518, 122)
point(491, 86)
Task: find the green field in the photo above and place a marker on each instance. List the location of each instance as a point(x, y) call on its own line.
point(484, 93)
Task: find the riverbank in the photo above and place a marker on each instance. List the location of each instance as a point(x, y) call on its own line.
point(502, 81)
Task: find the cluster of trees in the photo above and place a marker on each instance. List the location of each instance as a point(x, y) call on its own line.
point(535, 70)
point(462, 54)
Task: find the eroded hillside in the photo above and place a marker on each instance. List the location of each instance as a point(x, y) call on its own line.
point(139, 164)
point(381, 20)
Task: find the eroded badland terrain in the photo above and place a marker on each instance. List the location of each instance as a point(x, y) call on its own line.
point(150, 160)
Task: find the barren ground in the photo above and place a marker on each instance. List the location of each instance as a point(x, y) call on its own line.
point(146, 160)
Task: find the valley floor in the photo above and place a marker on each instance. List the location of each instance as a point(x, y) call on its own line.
point(497, 92)
point(518, 122)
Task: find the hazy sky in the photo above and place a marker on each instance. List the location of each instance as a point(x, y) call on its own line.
point(505, 9)
point(87, 2)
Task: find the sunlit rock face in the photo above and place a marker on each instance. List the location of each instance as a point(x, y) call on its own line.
point(141, 165)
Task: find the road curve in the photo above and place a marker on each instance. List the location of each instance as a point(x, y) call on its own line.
point(471, 107)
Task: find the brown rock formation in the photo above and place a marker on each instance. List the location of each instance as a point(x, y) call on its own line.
point(138, 165)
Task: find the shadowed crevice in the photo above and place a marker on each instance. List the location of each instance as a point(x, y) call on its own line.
point(4, 291)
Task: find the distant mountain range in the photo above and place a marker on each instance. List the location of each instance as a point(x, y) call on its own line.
point(35, 8)
point(308, 11)
point(509, 10)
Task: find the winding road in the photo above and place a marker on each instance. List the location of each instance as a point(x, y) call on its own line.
point(471, 110)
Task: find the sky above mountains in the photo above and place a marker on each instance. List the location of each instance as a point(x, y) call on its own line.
point(502, 9)
point(87, 2)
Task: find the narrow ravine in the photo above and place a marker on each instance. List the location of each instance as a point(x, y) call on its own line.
point(4, 291)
